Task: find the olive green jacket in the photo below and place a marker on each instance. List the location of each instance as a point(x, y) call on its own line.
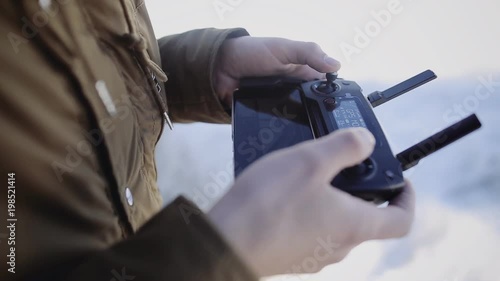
point(82, 106)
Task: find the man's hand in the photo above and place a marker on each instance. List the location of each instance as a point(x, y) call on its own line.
point(283, 211)
point(253, 56)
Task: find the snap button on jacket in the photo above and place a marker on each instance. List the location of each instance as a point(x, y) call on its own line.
point(82, 105)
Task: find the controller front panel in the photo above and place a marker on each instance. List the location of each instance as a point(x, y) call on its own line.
point(379, 178)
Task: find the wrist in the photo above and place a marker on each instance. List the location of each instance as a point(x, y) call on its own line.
point(227, 223)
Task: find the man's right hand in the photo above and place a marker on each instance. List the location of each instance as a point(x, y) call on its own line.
point(282, 211)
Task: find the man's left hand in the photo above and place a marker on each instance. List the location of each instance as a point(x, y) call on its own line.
point(253, 56)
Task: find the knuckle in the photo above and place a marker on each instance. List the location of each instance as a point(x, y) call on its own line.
point(356, 237)
point(353, 142)
point(405, 226)
point(339, 256)
point(310, 160)
point(404, 231)
point(283, 68)
point(312, 46)
point(312, 270)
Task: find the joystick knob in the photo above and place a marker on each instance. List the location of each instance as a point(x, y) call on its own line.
point(331, 77)
point(328, 86)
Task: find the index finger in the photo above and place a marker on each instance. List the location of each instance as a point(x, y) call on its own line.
point(397, 218)
point(394, 221)
point(306, 53)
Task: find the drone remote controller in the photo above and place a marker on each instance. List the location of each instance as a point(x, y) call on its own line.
point(272, 113)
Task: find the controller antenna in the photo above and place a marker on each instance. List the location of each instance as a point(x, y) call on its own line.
point(377, 98)
point(414, 154)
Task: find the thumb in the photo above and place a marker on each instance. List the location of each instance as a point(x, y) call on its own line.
point(339, 150)
point(307, 53)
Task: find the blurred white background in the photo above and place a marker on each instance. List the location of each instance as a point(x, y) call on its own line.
point(456, 236)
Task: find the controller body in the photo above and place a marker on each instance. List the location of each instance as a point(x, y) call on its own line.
point(273, 113)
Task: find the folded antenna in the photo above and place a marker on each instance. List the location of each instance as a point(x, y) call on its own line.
point(377, 98)
point(414, 154)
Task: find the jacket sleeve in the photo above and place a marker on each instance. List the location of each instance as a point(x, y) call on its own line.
point(188, 59)
point(177, 244)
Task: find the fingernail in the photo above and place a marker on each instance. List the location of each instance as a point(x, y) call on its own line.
point(332, 61)
point(367, 135)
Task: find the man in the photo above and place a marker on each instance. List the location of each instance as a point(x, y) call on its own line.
point(83, 104)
